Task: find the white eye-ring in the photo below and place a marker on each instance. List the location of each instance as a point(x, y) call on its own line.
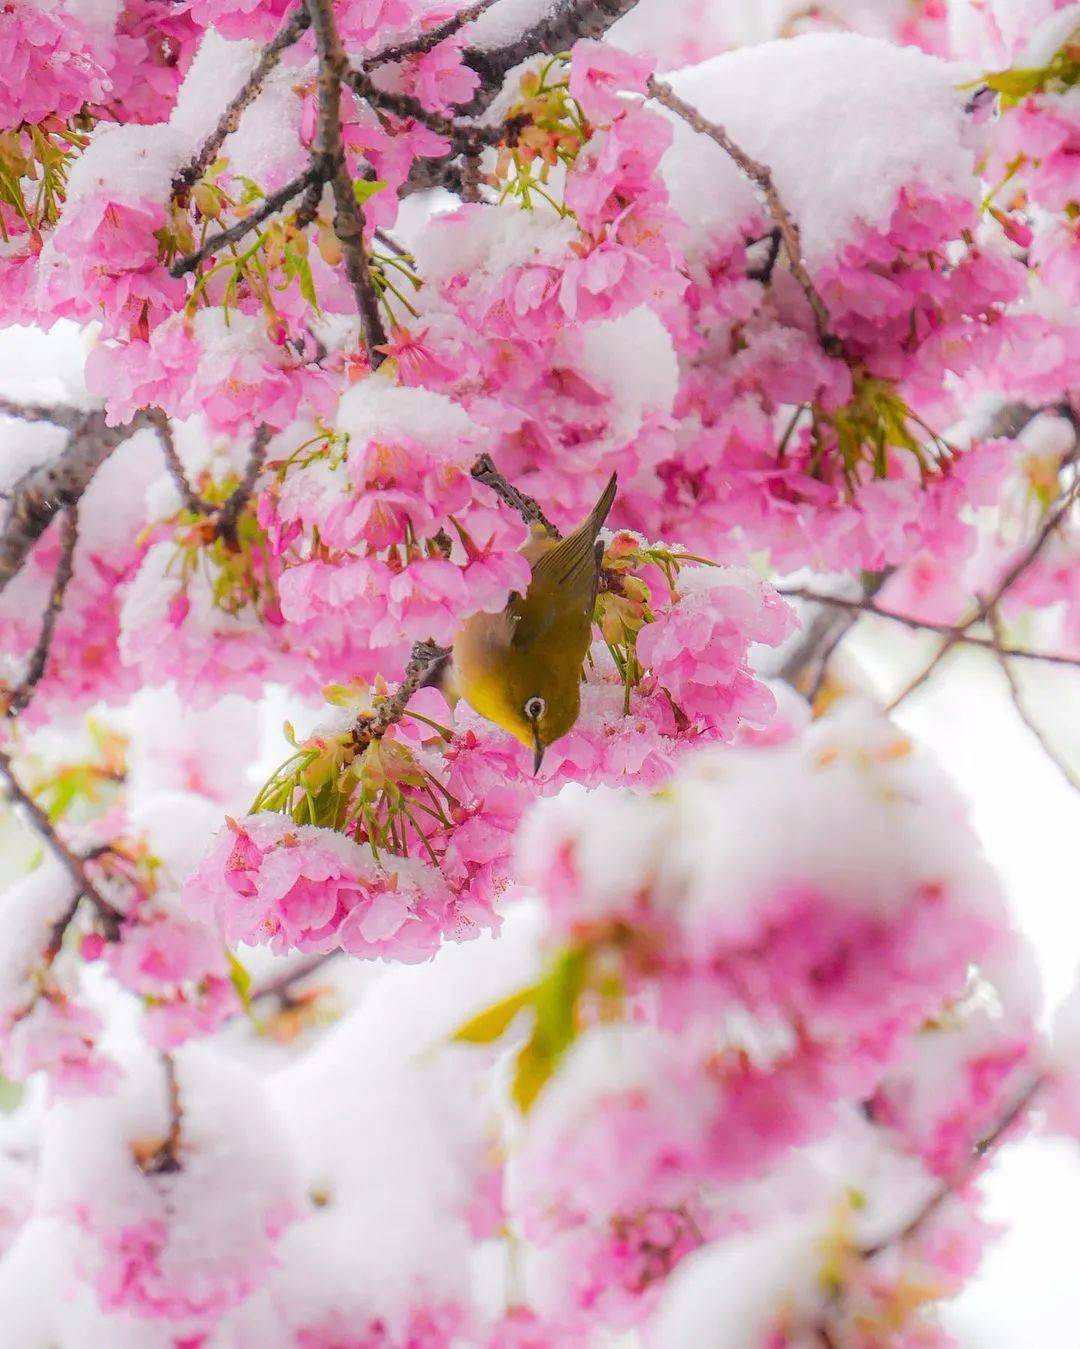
point(535, 709)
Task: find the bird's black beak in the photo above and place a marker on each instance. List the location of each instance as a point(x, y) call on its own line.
point(538, 751)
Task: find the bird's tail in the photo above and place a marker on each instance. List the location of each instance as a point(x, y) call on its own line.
point(599, 513)
point(572, 561)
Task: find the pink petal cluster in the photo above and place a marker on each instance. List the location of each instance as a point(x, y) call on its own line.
point(697, 649)
point(112, 268)
point(58, 1035)
point(755, 1003)
point(179, 969)
point(377, 515)
point(53, 62)
point(271, 882)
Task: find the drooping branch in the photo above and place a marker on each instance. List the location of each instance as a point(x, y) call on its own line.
point(330, 155)
point(42, 492)
point(1016, 692)
point(39, 657)
point(427, 41)
point(557, 31)
point(465, 135)
point(1054, 519)
point(281, 986)
point(290, 31)
point(761, 176)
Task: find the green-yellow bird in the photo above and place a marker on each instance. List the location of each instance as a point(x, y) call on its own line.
point(522, 668)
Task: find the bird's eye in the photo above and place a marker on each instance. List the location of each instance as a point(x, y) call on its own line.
point(535, 709)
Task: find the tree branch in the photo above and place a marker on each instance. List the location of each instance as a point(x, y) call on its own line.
point(1054, 519)
point(555, 32)
point(484, 471)
point(40, 412)
point(188, 495)
point(1016, 692)
point(239, 497)
point(165, 1161)
point(425, 42)
point(761, 176)
point(374, 725)
point(39, 657)
point(965, 1172)
point(330, 155)
point(43, 826)
point(42, 492)
point(280, 987)
point(866, 606)
point(269, 206)
point(287, 34)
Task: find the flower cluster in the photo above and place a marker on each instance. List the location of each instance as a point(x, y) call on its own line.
point(711, 1002)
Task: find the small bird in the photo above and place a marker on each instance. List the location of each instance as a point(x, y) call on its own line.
point(522, 668)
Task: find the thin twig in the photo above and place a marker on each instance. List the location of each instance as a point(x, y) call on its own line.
point(1055, 518)
point(965, 1172)
point(865, 606)
point(1016, 692)
point(330, 159)
point(425, 657)
point(39, 657)
point(388, 241)
point(287, 34)
point(190, 498)
point(229, 514)
point(761, 176)
point(425, 42)
point(484, 471)
point(407, 107)
point(166, 1160)
point(281, 986)
point(563, 25)
point(43, 826)
point(269, 206)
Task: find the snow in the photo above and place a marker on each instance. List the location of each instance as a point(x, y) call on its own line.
point(507, 20)
point(375, 409)
point(727, 1296)
point(388, 1134)
point(483, 243)
point(848, 121)
point(632, 357)
point(28, 910)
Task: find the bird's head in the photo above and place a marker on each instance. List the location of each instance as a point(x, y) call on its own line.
point(536, 705)
point(546, 719)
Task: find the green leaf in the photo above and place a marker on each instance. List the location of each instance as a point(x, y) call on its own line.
point(487, 1026)
point(363, 189)
point(556, 999)
point(1018, 82)
point(241, 980)
point(252, 190)
point(531, 1073)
